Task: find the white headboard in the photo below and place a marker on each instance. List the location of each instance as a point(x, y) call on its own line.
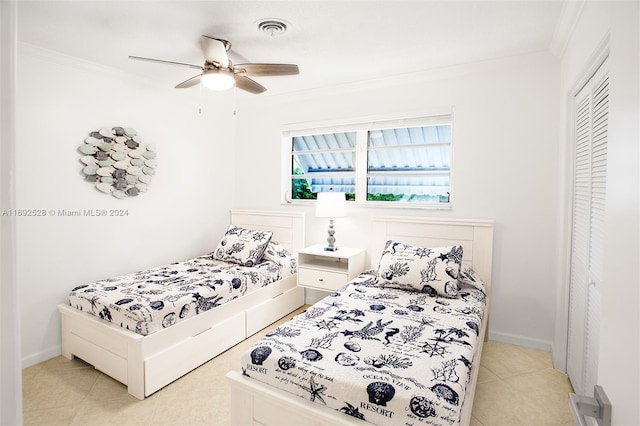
point(475, 236)
point(288, 228)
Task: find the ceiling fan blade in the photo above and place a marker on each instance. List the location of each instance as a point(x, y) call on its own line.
point(189, 82)
point(245, 83)
point(166, 62)
point(259, 70)
point(215, 50)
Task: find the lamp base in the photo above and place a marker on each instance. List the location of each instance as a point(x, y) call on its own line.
point(331, 239)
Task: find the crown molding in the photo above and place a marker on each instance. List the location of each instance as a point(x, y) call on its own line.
point(569, 16)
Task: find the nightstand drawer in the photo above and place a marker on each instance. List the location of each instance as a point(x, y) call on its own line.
point(321, 279)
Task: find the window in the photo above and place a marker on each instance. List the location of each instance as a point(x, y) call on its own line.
point(386, 163)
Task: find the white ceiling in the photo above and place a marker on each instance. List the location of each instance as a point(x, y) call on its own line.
point(333, 42)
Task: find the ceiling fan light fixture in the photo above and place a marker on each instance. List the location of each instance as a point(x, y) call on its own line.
point(217, 79)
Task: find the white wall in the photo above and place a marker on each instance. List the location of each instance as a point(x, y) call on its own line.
point(619, 355)
point(505, 146)
point(59, 101)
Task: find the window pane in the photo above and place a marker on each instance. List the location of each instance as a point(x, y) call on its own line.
point(410, 164)
point(324, 161)
point(307, 189)
point(413, 189)
point(335, 184)
point(407, 158)
point(327, 141)
point(410, 135)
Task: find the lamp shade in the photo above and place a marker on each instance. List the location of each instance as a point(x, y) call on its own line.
point(331, 204)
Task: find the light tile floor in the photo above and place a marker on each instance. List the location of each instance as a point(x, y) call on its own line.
point(516, 386)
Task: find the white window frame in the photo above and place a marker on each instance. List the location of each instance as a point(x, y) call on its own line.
point(361, 149)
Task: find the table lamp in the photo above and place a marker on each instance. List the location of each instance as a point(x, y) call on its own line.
point(331, 204)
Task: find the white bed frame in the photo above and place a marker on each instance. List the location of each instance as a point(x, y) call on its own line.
point(255, 403)
point(147, 363)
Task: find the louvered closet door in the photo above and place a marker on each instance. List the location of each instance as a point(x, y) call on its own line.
point(590, 171)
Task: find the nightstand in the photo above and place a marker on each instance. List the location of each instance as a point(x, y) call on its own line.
point(329, 270)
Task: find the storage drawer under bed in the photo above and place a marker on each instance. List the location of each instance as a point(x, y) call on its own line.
point(268, 312)
point(163, 367)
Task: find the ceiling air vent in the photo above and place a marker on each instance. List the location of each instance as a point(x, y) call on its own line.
point(273, 27)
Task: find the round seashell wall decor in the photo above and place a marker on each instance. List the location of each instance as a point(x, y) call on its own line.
point(116, 161)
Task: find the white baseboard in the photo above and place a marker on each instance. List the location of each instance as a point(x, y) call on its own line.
point(41, 356)
point(559, 358)
point(515, 339)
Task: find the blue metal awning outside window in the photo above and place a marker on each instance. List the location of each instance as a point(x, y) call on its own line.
point(410, 160)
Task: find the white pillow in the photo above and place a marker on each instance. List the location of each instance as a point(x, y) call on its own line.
point(429, 270)
point(242, 246)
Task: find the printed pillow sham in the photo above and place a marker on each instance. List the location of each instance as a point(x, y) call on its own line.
point(429, 270)
point(242, 246)
point(276, 253)
point(468, 276)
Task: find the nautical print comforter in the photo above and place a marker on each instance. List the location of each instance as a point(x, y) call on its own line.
point(384, 355)
point(150, 300)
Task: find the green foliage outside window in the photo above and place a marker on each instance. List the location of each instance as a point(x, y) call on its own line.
point(384, 197)
point(301, 190)
point(300, 187)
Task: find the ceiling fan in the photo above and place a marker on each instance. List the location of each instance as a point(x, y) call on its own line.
point(218, 73)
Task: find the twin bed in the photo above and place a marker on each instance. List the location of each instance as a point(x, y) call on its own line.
point(389, 348)
point(146, 361)
point(400, 344)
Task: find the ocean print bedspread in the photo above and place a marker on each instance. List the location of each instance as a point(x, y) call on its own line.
point(157, 298)
point(383, 355)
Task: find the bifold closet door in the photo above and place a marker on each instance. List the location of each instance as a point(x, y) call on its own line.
point(591, 107)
